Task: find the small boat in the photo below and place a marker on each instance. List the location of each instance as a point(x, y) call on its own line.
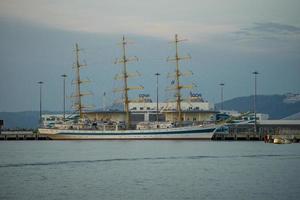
point(280, 140)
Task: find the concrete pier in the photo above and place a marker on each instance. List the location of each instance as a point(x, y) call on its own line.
point(21, 135)
point(235, 134)
point(259, 136)
point(265, 129)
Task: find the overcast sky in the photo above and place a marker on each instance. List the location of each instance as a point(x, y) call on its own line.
point(226, 39)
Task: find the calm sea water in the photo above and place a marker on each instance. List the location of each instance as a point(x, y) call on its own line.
point(148, 170)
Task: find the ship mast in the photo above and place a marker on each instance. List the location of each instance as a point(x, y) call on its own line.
point(126, 101)
point(125, 75)
point(178, 74)
point(78, 81)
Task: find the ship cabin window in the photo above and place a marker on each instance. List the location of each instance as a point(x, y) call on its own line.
point(134, 108)
point(194, 118)
point(190, 108)
point(148, 108)
point(197, 108)
point(141, 108)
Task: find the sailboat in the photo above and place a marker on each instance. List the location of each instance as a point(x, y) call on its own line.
point(81, 128)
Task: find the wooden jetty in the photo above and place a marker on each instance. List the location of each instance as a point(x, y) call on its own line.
point(263, 133)
point(21, 135)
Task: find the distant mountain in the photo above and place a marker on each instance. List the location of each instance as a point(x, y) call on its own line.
point(26, 119)
point(22, 120)
point(295, 116)
point(277, 106)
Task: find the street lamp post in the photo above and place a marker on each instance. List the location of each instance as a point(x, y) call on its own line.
point(64, 94)
point(157, 74)
point(254, 102)
point(40, 84)
point(222, 86)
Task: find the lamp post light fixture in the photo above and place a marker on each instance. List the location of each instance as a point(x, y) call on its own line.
point(254, 102)
point(40, 85)
point(157, 74)
point(64, 95)
point(222, 87)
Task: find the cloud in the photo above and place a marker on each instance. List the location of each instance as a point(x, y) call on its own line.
point(156, 18)
point(198, 20)
point(268, 34)
point(271, 27)
point(268, 30)
point(265, 37)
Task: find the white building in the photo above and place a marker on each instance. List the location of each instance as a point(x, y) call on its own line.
point(259, 116)
point(194, 103)
point(193, 109)
point(143, 109)
point(292, 98)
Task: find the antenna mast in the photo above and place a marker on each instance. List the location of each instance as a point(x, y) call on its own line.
point(124, 60)
point(178, 87)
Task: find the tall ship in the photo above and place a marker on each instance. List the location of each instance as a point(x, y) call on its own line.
point(80, 127)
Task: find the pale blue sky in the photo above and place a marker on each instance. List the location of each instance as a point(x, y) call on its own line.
point(226, 39)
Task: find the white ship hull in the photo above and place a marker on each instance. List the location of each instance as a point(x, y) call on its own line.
point(183, 133)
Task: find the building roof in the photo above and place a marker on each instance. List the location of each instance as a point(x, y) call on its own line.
point(191, 111)
point(279, 122)
point(106, 112)
point(139, 112)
